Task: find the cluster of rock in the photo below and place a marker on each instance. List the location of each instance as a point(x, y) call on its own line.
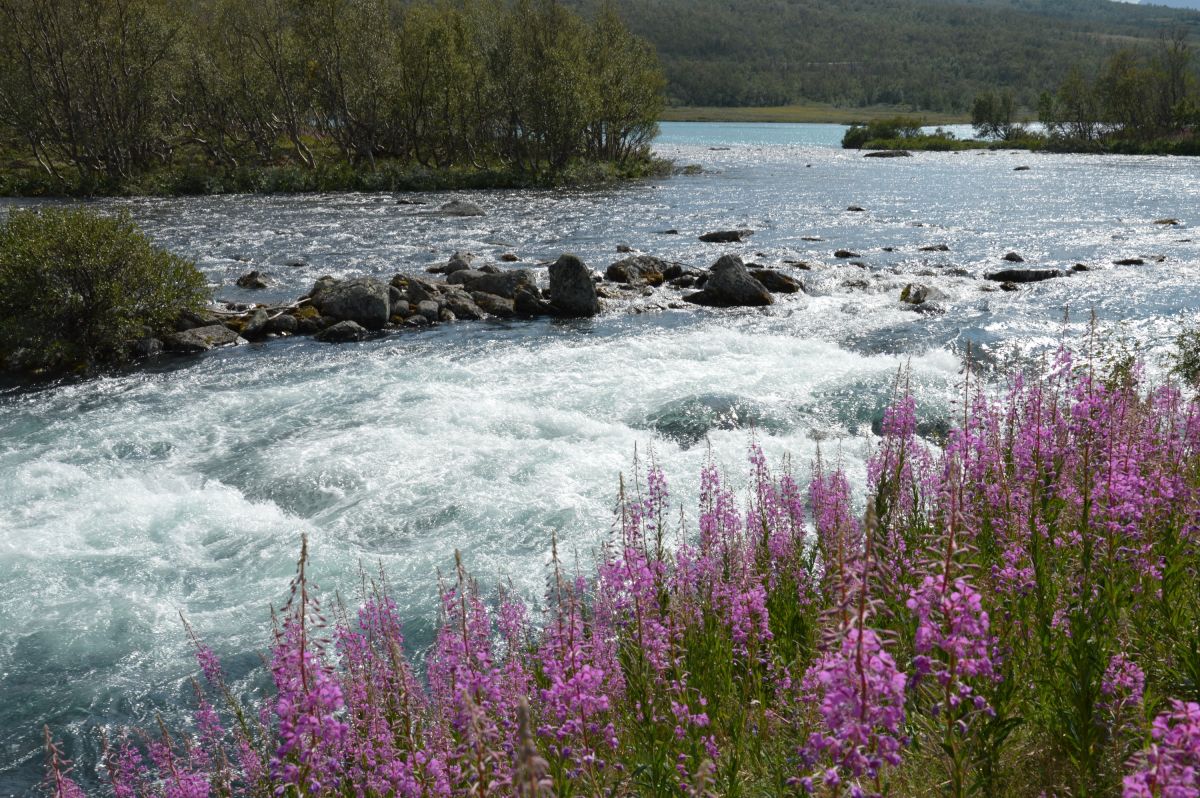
point(351, 309)
point(346, 310)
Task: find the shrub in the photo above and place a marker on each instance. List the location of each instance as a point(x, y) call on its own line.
point(897, 127)
point(1186, 357)
point(77, 287)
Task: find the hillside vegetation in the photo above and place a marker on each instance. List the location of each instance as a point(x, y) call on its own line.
point(926, 54)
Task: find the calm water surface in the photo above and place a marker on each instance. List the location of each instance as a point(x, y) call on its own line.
point(185, 487)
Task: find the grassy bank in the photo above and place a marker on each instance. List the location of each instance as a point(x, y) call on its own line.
point(813, 113)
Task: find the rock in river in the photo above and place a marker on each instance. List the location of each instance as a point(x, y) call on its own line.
point(777, 282)
point(342, 333)
point(364, 300)
point(726, 236)
point(730, 285)
point(252, 280)
point(202, 339)
point(503, 284)
point(638, 270)
point(919, 294)
point(461, 208)
point(572, 290)
point(1023, 275)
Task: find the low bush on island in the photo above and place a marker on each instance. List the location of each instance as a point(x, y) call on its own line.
point(77, 288)
point(1015, 614)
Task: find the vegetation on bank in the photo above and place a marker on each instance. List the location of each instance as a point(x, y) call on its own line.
point(1139, 103)
point(77, 289)
point(1016, 614)
point(138, 96)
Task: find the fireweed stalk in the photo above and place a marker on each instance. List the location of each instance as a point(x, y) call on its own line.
point(1017, 612)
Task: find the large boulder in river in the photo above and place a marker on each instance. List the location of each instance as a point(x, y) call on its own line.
point(726, 236)
point(1023, 275)
point(458, 261)
point(463, 306)
point(461, 208)
point(343, 332)
point(498, 306)
point(919, 294)
point(638, 270)
point(572, 289)
point(464, 276)
point(776, 282)
point(505, 284)
point(363, 300)
point(202, 339)
point(730, 285)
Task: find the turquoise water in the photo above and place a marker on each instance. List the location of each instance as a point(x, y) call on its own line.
point(185, 486)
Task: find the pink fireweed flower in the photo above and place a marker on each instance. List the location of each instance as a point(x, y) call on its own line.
point(1170, 766)
point(308, 707)
point(861, 697)
point(953, 642)
point(1123, 684)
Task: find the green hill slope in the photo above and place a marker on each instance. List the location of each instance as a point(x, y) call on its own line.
point(929, 54)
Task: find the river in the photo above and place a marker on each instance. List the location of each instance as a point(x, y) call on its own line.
point(184, 487)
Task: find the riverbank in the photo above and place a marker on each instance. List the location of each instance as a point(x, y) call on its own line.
point(23, 176)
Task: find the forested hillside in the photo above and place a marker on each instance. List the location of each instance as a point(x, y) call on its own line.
point(930, 54)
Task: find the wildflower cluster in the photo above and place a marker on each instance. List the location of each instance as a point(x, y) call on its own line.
point(1026, 590)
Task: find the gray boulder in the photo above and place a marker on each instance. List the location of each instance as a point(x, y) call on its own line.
point(572, 289)
point(726, 236)
point(252, 280)
point(429, 309)
point(202, 339)
point(777, 282)
point(498, 306)
point(256, 326)
point(283, 324)
point(1013, 257)
point(729, 284)
point(458, 261)
point(464, 276)
point(461, 208)
point(342, 333)
point(463, 306)
point(919, 294)
point(504, 284)
point(416, 289)
point(364, 300)
point(528, 303)
point(638, 270)
point(1023, 275)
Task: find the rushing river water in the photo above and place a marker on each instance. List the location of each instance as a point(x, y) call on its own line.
point(185, 486)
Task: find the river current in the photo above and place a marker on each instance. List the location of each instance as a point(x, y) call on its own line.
point(184, 486)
